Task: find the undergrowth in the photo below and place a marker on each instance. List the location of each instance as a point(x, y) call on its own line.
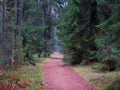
point(25, 77)
point(101, 80)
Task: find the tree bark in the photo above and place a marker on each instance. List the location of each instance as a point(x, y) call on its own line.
point(18, 36)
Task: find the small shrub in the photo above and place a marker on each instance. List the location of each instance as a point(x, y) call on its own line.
point(88, 62)
point(118, 66)
point(85, 62)
point(111, 64)
point(73, 58)
point(100, 67)
point(107, 65)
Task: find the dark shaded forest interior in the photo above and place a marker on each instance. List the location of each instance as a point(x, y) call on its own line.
point(86, 32)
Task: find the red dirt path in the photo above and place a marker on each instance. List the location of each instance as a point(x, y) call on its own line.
point(62, 77)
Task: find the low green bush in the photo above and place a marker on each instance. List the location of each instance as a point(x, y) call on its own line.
point(100, 67)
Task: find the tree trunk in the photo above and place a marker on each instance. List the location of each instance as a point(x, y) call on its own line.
point(9, 32)
point(47, 31)
point(18, 36)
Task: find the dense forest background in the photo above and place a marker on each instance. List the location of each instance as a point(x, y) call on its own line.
point(85, 31)
point(88, 30)
point(93, 30)
point(26, 29)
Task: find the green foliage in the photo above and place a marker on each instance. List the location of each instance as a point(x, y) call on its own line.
point(100, 67)
point(87, 40)
point(76, 25)
point(32, 39)
point(108, 39)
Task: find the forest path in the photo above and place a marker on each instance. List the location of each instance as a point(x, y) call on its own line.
point(62, 77)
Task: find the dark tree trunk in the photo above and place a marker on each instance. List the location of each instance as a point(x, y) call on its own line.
point(47, 31)
point(18, 35)
point(93, 13)
point(8, 32)
point(93, 22)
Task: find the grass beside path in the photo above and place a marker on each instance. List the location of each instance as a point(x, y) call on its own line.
point(100, 80)
point(25, 77)
point(34, 75)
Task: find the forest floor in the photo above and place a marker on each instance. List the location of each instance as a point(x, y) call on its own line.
point(53, 74)
point(25, 77)
point(58, 76)
point(98, 79)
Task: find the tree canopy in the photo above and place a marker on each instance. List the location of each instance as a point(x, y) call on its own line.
point(87, 30)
